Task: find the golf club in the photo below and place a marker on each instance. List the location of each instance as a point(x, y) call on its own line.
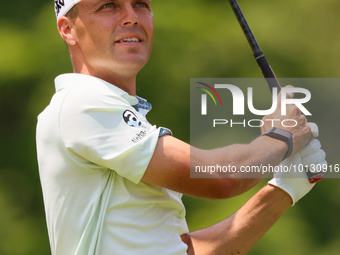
point(266, 69)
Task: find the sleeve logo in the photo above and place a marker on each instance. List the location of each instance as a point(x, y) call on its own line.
point(131, 119)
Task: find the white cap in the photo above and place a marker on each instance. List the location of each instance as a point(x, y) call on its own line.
point(61, 7)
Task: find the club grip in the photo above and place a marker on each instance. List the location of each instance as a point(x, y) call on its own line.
point(267, 71)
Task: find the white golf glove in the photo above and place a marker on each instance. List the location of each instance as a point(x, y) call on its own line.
point(295, 182)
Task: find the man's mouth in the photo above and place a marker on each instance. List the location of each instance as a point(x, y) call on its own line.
point(130, 40)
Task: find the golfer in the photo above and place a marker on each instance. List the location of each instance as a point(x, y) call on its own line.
point(112, 182)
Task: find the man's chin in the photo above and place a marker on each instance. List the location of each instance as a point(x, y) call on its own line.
point(125, 66)
point(133, 62)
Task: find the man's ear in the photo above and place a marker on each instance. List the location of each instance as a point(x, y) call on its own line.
point(67, 30)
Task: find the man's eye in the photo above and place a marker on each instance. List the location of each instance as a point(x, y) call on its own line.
point(141, 4)
point(105, 6)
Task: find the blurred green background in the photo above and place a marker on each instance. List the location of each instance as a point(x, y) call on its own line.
point(193, 39)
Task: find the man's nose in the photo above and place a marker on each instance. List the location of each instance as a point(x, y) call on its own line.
point(129, 16)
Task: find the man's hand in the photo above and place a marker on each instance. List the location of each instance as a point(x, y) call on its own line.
point(301, 132)
point(295, 182)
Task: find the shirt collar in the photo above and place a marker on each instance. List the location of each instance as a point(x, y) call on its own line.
point(143, 106)
point(71, 79)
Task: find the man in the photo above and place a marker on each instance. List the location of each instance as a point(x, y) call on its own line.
point(112, 182)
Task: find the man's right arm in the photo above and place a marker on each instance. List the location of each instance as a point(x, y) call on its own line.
point(170, 166)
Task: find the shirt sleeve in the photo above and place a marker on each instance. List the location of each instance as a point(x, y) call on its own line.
point(100, 129)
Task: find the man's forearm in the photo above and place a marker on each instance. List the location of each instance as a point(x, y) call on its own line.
point(172, 160)
point(238, 233)
point(262, 151)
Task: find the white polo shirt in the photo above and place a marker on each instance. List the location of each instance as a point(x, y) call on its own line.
point(93, 149)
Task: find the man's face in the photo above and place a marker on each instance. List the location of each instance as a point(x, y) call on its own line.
point(114, 35)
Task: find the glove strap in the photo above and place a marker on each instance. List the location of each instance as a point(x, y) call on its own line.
point(282, 135)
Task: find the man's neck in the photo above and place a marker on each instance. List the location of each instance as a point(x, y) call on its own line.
point(126, 83)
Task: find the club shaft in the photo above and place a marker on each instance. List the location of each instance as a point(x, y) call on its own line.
point(261, 59)
point(244, 25)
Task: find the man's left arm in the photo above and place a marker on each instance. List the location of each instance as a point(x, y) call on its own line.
point(238, 233)
point(241, 231)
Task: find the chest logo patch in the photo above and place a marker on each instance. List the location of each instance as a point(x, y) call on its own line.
point(131, 119)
